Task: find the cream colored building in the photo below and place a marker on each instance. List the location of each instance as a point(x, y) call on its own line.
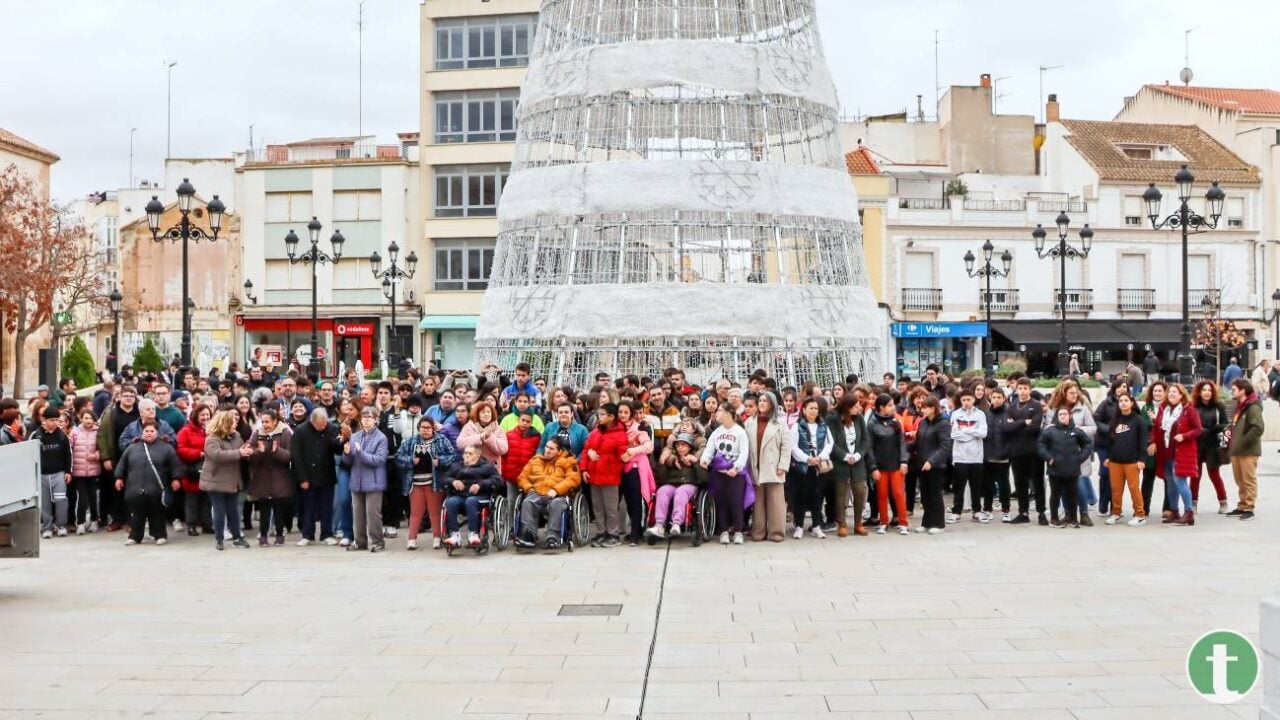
point(35, 162)
point(474, 56)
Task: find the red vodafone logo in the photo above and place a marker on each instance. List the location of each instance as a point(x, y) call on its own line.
point(347, 329)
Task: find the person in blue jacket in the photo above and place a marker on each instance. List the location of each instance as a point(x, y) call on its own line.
point(572, 434)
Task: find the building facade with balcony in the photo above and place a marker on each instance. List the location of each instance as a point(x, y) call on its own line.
point(1122, 300)
point(473, 60)
point(368, 191)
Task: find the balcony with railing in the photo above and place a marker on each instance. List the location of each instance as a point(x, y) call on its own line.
point(1066, 206)
point(1196, 298)
point(1136, 299)
point(922, 299)
point(1078, 299)
point(995, 205)
point(924, 203)
point(336, 153)
point(1002, 300)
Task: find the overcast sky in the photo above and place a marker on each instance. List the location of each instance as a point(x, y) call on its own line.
point(76, 75)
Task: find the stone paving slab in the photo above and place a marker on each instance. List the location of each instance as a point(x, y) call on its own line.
point(990, 622)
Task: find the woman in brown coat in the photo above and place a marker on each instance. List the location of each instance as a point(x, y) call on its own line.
point(270, 482)
point(220, 476)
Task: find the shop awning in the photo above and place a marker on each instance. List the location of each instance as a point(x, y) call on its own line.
point(1092, 334)
point(449, 322)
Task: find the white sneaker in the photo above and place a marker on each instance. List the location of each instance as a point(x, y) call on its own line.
point(675, 531)
point(881, 530)
point(475, 540)
point(816, 531)
point(866, 512)
point(162, 541)
point(952, 518)
point(304, 542)
point(46, 534)
point(1113, 519)
point(1007, 518)
point(657, 531)
point(93, 526)
point(936, 531)
point(922, 529)
point(738, 539)
point(799, 532)
point(411, 544)
point(724, 538)
point(80, 529)
point(338, 534)
point(984, 517)
point(226, 534)
point(130, 541)
point(331, 541)
point(455, 539)
point(62, 532)
point(435, 543)
point(179, 526)
point(1138, 522)
point(389, 532)
point(904, 530)
point(344, 542)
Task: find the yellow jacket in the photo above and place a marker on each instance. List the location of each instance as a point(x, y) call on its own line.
point(542, 476)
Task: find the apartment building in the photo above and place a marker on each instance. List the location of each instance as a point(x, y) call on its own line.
point(474, 56)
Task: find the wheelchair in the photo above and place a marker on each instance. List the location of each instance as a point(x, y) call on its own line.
point(575, 525)
point(699, 519)
point(495, 526)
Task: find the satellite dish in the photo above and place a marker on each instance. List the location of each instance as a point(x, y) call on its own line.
point(1186, 75)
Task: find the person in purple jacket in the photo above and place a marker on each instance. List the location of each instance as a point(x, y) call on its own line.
point(366, 453)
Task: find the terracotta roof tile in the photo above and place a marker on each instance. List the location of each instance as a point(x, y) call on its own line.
point(1097, 142)
point(26, 146)
point(860, 162)
point(1254, 102)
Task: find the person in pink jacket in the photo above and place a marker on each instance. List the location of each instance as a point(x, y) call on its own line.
point(484, 431)
point(85, 468)
point(637, 473)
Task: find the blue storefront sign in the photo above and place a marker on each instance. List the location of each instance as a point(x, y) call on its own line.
point(939, 330)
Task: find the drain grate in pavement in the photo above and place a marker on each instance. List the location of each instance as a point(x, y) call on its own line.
point(589, 610)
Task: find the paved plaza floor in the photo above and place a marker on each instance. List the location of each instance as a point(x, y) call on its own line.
point(986, 622)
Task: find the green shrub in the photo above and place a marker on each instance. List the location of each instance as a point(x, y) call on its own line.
point(148, 358)
point(1009, 367)
point(77, 364)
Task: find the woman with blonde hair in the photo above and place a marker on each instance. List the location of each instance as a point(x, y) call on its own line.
point(220, 476)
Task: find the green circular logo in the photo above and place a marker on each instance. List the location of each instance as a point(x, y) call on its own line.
point(1222, 666)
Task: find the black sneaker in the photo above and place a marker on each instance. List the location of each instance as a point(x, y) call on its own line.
point(1246, 515)
point(1044, 521)
point(1021, 519)
point(527, 540)
point(597, 541)
point(553, 542)
point(240, 542)
point(377, 547)
point(1236, 513)
point(218, 545)
point(610, 541)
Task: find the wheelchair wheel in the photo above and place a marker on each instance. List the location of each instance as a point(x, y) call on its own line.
point(499, 522)
point(706, 516)
point(581, 520)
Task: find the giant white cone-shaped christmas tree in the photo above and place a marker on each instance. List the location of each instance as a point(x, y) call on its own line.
point(679, 198)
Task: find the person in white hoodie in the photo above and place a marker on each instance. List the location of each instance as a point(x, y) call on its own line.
point(728, 487)
point(968, 430)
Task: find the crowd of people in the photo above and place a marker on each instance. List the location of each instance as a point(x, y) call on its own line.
point(353, 463)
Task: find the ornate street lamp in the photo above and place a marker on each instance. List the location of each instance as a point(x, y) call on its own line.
point(988, 271)
point(1063, 251)
point(313, 257)
point(390, 278)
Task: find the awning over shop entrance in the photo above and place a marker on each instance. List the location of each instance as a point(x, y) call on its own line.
point(449, 322)
point(1092, 334)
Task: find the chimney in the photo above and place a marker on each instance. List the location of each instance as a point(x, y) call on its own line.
point(1052, 113)
point(985, 80)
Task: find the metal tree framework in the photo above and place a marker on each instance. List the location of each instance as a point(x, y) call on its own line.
point(678, 198)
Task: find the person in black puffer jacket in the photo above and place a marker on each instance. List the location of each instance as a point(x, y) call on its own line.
point(1064, 448)
point(1023, 423)
point(147, 470)
point(472, 483)
point(1215, 421)
point(931, 453)
point(1102, 441)
point(1127, 458)
point(889, 458)
point(995, 453)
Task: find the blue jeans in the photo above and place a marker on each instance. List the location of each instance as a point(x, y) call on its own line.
point(456, 504)
point(1177, 488)
point(226, 515)
point(1085, 493)
point(342, 516)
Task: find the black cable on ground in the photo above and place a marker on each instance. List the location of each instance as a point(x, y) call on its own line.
point(653, 642)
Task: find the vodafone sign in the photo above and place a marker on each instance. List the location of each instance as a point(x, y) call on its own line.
point(342, 329)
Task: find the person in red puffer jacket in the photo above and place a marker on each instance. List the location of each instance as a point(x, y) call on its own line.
point(522, 445)
point(191, 439)
point(602, 466)
point(1175, 435)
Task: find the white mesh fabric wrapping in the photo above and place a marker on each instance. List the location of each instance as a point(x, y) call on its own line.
point(772, 69)
point(639, 186)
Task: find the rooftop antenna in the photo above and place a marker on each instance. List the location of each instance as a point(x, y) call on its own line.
point(251, 138)
point(937, 82)
point(1187, 75)
point(1044, 69)
point(360, 72)
point(996, 94)
point(168, 130)
point(919, 108)
point(132, 130)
